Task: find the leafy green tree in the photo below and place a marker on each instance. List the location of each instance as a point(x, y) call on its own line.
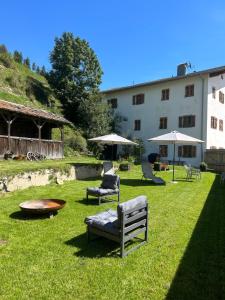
point(43, 71)
point(38, 70)
point(3, 49)
point(96, 118)
point(75, 75)
point(18, 56)
point(26, 62)
point(34, 67)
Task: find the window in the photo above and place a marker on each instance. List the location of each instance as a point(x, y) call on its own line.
point(137, 124)
point(163, 123)
point(165, 94)
point(189, 90)
point(221, 97)
point(221, 125)
point(163, 150)
point(213, 122)
point(187, 121)
point(113, 102)
point(214, 92)
point(187, 151)
point(138, 99)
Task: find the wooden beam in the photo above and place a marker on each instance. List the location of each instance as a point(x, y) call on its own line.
point(9, 118)
point(62, 138)
point(39, 123)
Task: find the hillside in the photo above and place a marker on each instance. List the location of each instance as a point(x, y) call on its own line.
point(21, 85)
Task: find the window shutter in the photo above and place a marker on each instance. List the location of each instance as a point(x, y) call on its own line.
point(180, 122)
point(179, 151)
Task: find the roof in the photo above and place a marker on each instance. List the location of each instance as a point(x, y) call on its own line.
point(212, 72)
point(29, 111)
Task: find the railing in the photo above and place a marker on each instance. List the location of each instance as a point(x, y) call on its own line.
point(21, 145)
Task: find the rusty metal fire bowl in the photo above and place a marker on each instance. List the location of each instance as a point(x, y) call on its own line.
point(42, 206)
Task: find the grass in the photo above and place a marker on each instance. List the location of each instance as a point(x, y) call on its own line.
point(12, 167)
point(50, 259)
point(21, 85)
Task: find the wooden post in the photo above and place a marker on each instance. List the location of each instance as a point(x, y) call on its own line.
point(9, 120)
point(39, 125)
point(62, 139)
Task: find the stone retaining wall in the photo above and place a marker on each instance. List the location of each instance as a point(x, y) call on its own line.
point(47, 176)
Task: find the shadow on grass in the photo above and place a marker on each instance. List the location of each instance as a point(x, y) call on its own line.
point(98, 247)
point(94, 201)
point(185, 180)
point(201, 273)
point(137, 182)
point(19, 215)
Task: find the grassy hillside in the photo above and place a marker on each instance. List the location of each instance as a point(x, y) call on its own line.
point(20, 85)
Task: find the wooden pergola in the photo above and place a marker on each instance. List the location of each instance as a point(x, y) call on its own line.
point(24, 129)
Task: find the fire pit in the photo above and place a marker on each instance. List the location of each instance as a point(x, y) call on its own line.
point(42, 206)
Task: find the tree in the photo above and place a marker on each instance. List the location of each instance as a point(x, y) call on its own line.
point(18, 56)
point(43, 71)
point(96, 116)
point(75, 75)
point(38, 70)
point(3, 49)
point(26, 62)
point(34, 67)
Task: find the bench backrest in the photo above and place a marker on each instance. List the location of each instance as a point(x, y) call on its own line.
point(132, 214)
point(110, 181)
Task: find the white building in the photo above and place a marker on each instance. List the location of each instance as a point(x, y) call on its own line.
point(190, 103)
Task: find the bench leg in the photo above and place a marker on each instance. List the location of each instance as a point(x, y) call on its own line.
point(122, 249)
point(87, 196)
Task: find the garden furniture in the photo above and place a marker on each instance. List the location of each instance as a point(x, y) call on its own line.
point(110, 186)
point(121, 226)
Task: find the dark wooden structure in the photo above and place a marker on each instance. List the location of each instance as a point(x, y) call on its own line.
point(24, 129)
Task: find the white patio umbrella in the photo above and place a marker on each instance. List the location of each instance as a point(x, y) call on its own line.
point(112, 139)
point(175, 137)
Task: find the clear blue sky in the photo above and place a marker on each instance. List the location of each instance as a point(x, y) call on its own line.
point(135, 40)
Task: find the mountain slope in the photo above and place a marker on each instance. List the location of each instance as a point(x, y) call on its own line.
point(20, 85)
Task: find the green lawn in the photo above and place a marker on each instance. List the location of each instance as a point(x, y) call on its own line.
point(184, 259)
point(11, 167)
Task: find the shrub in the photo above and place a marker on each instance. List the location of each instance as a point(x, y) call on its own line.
point(203, 166)
point(14, 81)
point(74, 142)
point(6, 60)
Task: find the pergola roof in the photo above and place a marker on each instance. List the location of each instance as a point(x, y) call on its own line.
point(29, 111)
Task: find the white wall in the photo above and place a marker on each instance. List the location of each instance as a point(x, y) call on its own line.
point(215, 137)
point(153, 108)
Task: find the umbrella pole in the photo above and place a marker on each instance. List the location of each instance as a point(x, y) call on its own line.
point(173, 159)
point(112, 152)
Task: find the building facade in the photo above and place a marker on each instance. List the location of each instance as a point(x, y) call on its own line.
point(190, 103)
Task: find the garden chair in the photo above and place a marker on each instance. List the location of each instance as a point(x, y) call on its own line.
point(148, 173)
point(108, 168)
point(191, 171)
point(121, 226)
point(222, 177)
point(110, 186)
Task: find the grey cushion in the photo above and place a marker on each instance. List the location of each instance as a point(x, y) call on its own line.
point(106, 221)
point(132, 204)
point(110, 181)
point(95, 191)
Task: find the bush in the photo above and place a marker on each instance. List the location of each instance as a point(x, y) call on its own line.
point(6, 60)
point(14, 81)
point(203, 166)
point(74, 142)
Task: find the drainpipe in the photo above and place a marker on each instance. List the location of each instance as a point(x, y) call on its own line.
point(202, 119)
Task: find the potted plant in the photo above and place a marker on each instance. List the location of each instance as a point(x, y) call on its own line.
point(203, 166)
point(157, 166)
